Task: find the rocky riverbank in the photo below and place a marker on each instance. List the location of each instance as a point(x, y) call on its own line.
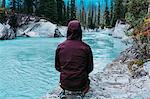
point(116, 82)
point(127, 77)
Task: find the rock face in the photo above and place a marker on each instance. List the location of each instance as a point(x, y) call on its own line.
point(6, 33)
point(136, 51)
point(119, 84)
point(57, 33)
point(36, 27)
point(119, 30)
point(29, 26)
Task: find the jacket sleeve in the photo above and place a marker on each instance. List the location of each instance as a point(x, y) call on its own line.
point(57, 62)
point(90, 61)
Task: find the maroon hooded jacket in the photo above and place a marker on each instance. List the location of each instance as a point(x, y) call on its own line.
point(74, 60)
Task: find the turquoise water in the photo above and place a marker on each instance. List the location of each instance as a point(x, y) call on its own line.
point(27, 64)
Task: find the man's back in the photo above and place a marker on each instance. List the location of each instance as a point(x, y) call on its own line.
point(74, 57)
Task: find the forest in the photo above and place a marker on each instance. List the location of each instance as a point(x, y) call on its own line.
point(95, 15)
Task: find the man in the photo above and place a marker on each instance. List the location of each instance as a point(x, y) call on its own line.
point(74, 61)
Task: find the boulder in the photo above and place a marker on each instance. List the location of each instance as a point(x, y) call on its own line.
point(136, 51)
point(57, 33)
point(119, 30)
point(40, 28)
point(6, 33)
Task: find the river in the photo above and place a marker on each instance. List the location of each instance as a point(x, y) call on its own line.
point(27, 64)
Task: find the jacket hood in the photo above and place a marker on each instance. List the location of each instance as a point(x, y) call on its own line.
point(74, 31)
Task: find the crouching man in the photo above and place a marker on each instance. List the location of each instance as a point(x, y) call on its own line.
point(74, 61)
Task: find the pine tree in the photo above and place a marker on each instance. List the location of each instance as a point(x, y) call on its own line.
point(136, 11)
point(95, 16)
point(73, 9)
point(68, 11)
point(3, 3)
point(90, 15)
point(118, 11)
point(64, 14)
point(48, 9)
point(13, 4)
point(85, 17)
point(111, 12)
point(59, 10)
point(19, 5)
point(35, 5)
point(148, 9)
point(82, 13)
point(99, 14)
point(89, 18)
point(106, 15)
point(28, 6)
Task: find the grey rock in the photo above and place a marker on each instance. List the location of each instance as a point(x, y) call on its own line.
point(6, 33)
point(136, 51)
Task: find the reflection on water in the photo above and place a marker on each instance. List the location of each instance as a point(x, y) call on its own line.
point(27, 64)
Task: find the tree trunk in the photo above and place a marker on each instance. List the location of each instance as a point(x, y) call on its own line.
point(149, 9)
point(3, 3)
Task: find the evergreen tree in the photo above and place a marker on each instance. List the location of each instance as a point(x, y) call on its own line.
point(91, 15)
point(89, 18)
point(106, 15)
point(73, 9)
point(28, 6)
point(118, 11)
point(64, 14)
point(99, 14)
point(35, 5)
point(95, 16)
point(136, 11)
point(13, 4)
point(19, 4)
point(48, 9)
point(85, 17)
point(3, 3)
point(59, 10)
point(82, 13)
point(68, 10)
point(111, 12)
